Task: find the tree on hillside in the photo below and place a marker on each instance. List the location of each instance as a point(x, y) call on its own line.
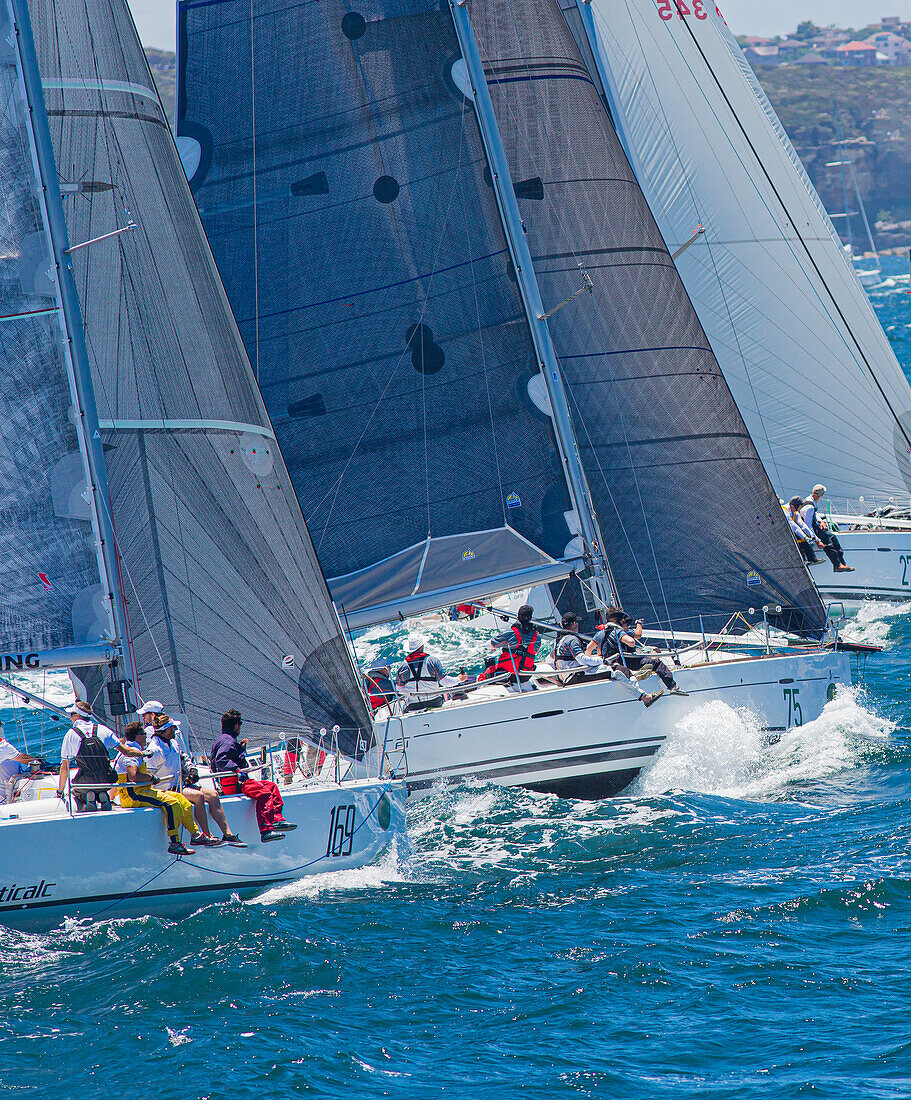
point(806, 30)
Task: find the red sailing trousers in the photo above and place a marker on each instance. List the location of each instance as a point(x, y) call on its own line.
point(269, 802)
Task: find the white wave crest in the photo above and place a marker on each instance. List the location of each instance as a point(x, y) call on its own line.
point(873, 622)
point(372, 877)
point(719, 750)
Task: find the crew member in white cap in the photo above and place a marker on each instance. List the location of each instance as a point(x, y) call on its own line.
point(809, 513)
point(422, 675)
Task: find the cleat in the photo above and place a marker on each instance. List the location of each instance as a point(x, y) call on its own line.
point(649, 699)
point(178, 849)
point(271, 834)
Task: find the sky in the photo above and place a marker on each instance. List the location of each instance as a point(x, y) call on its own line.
point(155, 18)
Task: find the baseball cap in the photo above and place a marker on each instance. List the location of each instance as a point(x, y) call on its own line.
point(151, 707)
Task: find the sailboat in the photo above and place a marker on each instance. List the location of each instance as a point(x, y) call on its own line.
point(481, 365)
point(153, 544)
point(806, 359)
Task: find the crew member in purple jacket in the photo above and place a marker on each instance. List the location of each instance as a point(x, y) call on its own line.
point(228, 756)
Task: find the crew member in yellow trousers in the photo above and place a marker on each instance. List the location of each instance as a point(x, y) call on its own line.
point(140, 792)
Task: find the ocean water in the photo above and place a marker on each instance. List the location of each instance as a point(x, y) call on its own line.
point(737, 923)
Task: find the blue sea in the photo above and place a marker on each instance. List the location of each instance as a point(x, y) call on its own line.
point(737, 924)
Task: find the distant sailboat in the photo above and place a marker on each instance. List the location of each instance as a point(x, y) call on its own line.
point(809, 365)
point(159, 548)
point(480, 362)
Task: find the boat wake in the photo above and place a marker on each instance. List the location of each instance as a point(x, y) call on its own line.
point(390, 869)
point(877, 622)
point(722, 751)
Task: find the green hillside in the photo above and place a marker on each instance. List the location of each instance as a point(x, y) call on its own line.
point(874, 114)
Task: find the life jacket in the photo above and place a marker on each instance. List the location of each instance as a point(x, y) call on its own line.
point(379, 687)
point(415, 662)
point(562, 651)
point(466, 610)
point(92, 761)
point(519, 656)
point(611, 647)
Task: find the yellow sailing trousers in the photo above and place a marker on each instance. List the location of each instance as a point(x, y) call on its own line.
point(176, 808)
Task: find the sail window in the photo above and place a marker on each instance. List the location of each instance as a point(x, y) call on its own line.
point(386, 189)
point(426, 355)
point(353, 25)
point(316, 184)
point(310, 406)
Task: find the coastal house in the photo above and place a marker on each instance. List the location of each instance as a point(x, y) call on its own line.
point(857, 53)
point(762, 55)
point(896, 47)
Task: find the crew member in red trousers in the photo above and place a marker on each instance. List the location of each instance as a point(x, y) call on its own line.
point(229, 762)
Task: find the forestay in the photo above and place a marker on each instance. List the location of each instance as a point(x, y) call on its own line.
point(52, 593)
point(687, 511)
point(806, 359)
point(226, 602)
point(353, 217)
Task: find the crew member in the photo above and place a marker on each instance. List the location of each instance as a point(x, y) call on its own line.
point(87, 743)
point(166, 765)
point(806, 540)
point(518, 647)
point(809, 513)
point(617, 645)
point(136, 792)
point(570, 655)
point(229, 762)
point(10, 759)
point(422, 675)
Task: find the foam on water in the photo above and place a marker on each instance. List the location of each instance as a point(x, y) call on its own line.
point(720, 750)
point(389, 869)
point(874, 622)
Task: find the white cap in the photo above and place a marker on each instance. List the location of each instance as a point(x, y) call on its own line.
point(415, 642)
point(151, 707)
point(819, 489)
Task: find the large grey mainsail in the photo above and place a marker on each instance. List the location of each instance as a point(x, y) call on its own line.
point(688, 514)
point(227, 605)
point(52, 590)
point(344, 188)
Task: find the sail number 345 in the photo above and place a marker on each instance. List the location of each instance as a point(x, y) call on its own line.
point(666, 9)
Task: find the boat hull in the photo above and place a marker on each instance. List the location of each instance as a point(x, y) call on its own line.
point(116, 864)
point(591, 740)
point(882, 568)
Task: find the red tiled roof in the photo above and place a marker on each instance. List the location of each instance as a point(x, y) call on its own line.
point(856, 46)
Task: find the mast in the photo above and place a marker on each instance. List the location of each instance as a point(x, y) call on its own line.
point(78, 361)
point(534, 308)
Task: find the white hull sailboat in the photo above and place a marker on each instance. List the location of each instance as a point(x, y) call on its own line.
point(495, 381)
point(777, 294)
point(591, 740)
point(115, 864)
point(156, 550)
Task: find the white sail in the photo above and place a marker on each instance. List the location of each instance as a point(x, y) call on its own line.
point(799, 344)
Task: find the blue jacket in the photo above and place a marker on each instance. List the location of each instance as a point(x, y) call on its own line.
point(227, 755)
